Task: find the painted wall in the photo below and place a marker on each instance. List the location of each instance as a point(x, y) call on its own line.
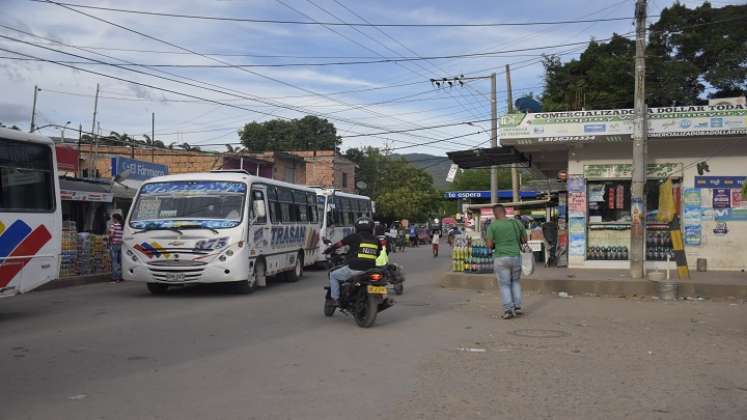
point(725, 157)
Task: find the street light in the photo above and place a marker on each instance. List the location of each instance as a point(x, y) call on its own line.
point(62, 134)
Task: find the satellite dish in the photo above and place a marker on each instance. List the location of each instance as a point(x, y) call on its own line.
point(361, 185)
point(122, 176)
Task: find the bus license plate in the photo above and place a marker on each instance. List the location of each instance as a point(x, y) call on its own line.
point(377, 290)
point(174, 276)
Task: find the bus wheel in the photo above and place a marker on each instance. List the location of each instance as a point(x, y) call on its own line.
point(260, 273)
point(297, 272)
point(157, 288)
point(244, 287)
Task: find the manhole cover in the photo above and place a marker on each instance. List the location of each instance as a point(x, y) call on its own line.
point(540, 333)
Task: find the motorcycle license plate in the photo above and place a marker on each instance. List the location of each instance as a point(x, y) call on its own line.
point(377, 290)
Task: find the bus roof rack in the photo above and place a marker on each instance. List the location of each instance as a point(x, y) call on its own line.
point(231, 171)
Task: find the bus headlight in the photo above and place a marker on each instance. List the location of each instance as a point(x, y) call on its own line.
point(131, 255)
point(222, 258)
point(229, 253)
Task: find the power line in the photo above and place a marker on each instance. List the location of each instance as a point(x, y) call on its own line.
point(348, 24)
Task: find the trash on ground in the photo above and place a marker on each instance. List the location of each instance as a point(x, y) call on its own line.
point(471, 349)
point(77, 397)
point(564, 295)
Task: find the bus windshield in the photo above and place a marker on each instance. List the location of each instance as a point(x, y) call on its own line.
point(210, 204)
point(26, 183)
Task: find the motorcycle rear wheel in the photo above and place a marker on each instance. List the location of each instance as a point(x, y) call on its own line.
point(365, 314)
point(329, 309)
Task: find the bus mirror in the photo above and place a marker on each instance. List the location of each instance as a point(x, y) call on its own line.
point(259, 209)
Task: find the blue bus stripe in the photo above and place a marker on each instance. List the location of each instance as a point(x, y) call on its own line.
point(13, 236)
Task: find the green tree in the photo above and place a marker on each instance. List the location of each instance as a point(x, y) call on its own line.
point(692, 53)
point(307, 133)
point(400, 190)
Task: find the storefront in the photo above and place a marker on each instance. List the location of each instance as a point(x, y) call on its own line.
point(127, 176)
point(696, 161)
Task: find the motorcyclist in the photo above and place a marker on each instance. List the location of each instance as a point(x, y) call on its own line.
point(363, 250)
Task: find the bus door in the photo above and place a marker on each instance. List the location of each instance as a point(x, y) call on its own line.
point(259, 230)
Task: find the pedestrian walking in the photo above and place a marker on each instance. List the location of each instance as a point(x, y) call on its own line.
point(434, 242)
point(507, 237)
point(115, 247)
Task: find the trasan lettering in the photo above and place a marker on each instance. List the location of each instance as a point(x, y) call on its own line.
point(287, 235)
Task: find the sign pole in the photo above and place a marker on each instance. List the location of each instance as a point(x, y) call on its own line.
point(493, 140)
point(640, 134)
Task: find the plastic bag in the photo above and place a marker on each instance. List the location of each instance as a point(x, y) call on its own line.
point(666, 202)
point(527, 261)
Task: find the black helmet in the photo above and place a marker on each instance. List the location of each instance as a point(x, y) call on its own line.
point(364, 225)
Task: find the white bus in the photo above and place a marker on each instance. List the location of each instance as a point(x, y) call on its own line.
point(30, 212)
point(222, 226)
point(340, 210)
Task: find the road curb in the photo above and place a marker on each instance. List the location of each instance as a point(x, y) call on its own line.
point(596, 287)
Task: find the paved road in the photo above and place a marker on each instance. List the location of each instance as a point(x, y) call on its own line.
point(110, 351)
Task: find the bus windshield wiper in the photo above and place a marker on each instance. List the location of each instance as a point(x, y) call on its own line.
point(147, 229)
point(215, 231)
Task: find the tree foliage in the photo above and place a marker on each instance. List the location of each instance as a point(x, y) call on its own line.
point(307, 133)
point(400, 190)
point(692, 53)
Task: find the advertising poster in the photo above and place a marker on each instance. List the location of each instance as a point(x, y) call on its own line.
point(693, 215)
point(706, 197)
point(737, 200)
point(721, 229)
point(693, 234)
point(691, 197)
point(576, 183)
point(577, 204)
point(721, 198)
point(577, 236)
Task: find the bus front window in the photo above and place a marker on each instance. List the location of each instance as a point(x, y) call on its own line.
point(26, 183)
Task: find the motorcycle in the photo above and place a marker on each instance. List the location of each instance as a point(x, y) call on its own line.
point(365, 295)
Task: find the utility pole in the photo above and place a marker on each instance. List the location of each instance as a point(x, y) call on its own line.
point(493, 139)
point(80, 137)
point(153, 136)
point(514, 172)
point(93, 131)
point(640, 134)
point(33, 110)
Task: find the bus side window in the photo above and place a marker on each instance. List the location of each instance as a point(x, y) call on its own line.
point(259, 207)
point(272, 202)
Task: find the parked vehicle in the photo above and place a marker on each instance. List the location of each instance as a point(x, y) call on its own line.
point(365, 295)
point(30, 212)
point(221, 226)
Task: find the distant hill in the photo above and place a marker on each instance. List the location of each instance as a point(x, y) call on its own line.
point(436, 166)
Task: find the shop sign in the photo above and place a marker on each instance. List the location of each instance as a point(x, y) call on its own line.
point(721, 198)
point(625, 170)
point(614, 125)
point(138, 169)
point(693, 235)
point(72, 195)
point(721, 229)
point(68, 158)
point(720, 181)
point(691, 197)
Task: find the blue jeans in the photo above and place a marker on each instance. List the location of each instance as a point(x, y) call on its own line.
point(336, 277)
point(508, 273)
point(116, 253)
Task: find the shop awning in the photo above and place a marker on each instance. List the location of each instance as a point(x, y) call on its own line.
point(485, 158)
point(81, 190)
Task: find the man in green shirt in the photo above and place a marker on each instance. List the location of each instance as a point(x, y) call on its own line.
point(506, 237)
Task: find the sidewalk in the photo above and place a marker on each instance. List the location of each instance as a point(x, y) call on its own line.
point(76, 281)
point(711, 285)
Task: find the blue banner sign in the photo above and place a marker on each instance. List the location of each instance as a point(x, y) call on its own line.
point(727, 182)
point(193, 187)
point(485, 195)
point(137, 168)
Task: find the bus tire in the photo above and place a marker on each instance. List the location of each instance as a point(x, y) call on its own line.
point(297, 272)
point(260, 273)
point(157, 288)
point(244, 287)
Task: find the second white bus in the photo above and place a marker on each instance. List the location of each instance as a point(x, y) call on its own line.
point(223, 226)
point(340, 211)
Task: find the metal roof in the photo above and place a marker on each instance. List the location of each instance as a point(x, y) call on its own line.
point(487, 157)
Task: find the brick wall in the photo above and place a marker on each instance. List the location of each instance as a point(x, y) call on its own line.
point(178, 161)
point(325, 168)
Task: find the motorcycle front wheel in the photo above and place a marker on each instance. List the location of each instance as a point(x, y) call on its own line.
point(365, 314)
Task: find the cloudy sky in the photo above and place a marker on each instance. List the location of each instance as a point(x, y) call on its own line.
point(358, 98)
